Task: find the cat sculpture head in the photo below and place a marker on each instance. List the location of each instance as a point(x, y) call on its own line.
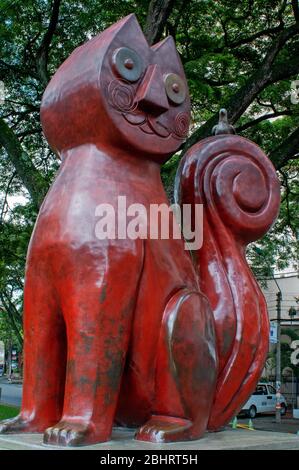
point(116, 91)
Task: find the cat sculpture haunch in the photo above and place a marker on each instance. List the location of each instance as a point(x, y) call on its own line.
point(118, 330)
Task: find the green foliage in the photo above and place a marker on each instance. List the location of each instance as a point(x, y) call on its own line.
point(221, 42)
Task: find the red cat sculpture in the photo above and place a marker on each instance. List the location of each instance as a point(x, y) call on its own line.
point(117, 330)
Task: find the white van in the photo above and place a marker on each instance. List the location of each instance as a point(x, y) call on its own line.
point(263, 400)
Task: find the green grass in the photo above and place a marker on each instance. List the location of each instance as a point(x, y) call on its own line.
point(8, 411)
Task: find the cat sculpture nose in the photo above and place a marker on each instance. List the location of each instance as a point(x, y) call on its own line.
point(151, 93)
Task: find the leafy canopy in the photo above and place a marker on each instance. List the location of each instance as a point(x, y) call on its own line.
point(242, 55)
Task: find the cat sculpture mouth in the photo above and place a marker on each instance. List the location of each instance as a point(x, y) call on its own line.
point(149, 125)
point(123, 98)
point(153, 125)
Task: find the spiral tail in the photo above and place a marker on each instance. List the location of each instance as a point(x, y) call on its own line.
point(240, 193)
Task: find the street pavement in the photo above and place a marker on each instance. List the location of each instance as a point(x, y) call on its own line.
point(267, 423)
point(11, 394)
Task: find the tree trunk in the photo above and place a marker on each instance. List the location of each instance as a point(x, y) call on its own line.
point(158, 13)
point(32, 179)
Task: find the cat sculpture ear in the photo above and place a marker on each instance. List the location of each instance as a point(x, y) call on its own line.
point(130, 30)
point(167, 47)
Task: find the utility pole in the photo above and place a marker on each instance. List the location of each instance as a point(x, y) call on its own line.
point(278, 359)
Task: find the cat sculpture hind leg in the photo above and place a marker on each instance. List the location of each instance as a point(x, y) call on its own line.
point(114, 111)
point(186, 371)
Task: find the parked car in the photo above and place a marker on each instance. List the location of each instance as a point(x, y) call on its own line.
point(263, 400)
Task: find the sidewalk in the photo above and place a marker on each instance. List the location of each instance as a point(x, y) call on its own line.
point(122, 439)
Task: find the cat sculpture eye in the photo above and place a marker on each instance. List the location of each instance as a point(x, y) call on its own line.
point(128, 64)
point(175, 88)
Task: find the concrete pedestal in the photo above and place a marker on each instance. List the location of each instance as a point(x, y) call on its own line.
point(122, 439)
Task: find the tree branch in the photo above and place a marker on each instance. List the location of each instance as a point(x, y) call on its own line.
point(286, 199)
point(158, 13)
point(34, 182)
point(254, 122)
point(253, 37)
point(286, 151)
point(43, 50)
point(215, 83)
point(16, 314)
point(9, 309)
point(248, 39)
point(5, 196)
point(295, 7)
point(23, 134)
point(6, 69)
point(266, 74)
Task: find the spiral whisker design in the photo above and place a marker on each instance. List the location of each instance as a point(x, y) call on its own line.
point(181, 125)
point(121, 96)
